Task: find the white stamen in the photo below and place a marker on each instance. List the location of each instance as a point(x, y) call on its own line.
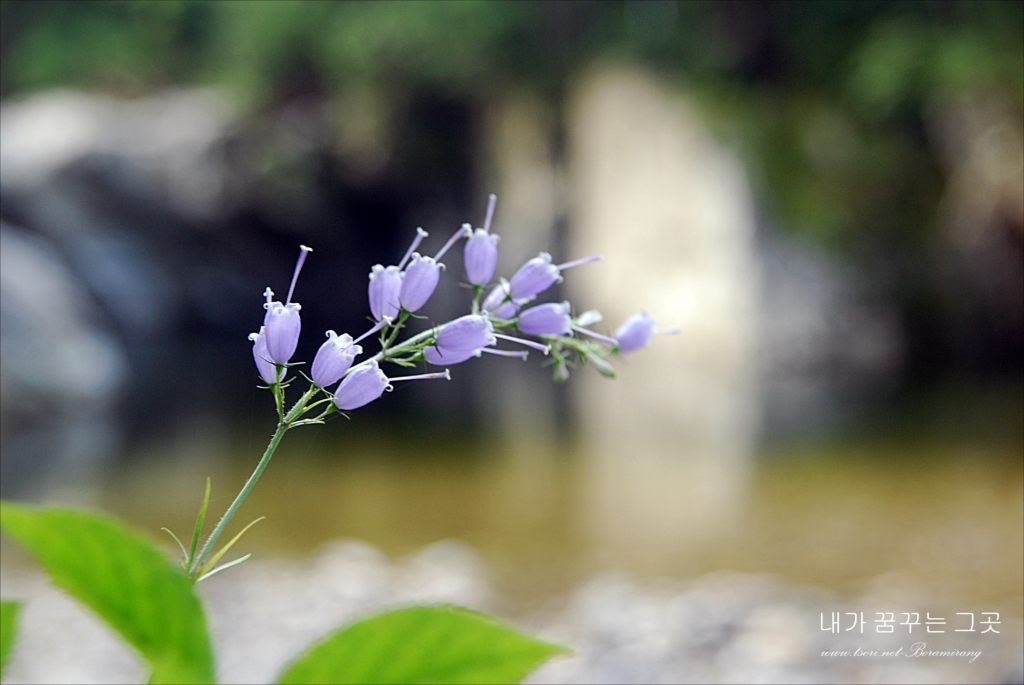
point(522, 354)
point(598, 336)
point(269, 294)
point(577, 262)
point(420, 235)
point(529, 343)
point(303, 251)
point(492, 200)
point(386, 321)
point(464, 230)
point(424, 377)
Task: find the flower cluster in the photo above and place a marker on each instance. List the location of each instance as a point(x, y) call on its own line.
point(505, 314)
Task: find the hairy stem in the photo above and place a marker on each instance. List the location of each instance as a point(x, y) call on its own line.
point(282, 427)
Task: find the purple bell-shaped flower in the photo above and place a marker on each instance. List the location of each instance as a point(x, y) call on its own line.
point(481, 251)
point(367, 383)
point(361, 387)
point(421, 276)
point(385, 282)
point(499, 301)
point(461, 339)
point(539, 274)
point(333, 359)
point(637, 331)
point(281, 323)
point(546, 319)
point(335, 356)
point(267, 369)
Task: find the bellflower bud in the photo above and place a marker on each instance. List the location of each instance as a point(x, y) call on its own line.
point(333, 359)
point(385, 282)
point(481, 254)
point(637, 331)
point(361, 387)
point(546, 319)
point(498, 302)
point(266, 368)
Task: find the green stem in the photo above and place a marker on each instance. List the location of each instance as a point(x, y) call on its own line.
point(282, 428)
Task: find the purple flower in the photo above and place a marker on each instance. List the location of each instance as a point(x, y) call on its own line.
point(499, 303)
point(460, 339)
point(637, 331)
point(421, 276)
point(546, 319)
point(282, 323)
point(470, 332)
point(367, 383)
point(333, 359)
point(361, 387)
point(418, 282)
point(481, 254)
point(385, 282)
point(539, 274)
point(266, 368)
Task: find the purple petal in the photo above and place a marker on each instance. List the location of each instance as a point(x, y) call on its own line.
point(546, 319)
point(418, 282)
point(361, 387)
point(635, 332)
point(383, 291)
point(481, 254)
point(282, 327)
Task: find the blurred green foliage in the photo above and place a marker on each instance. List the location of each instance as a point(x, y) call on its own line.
point(823, 99)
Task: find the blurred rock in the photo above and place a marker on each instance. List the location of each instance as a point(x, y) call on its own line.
point(61, 370)
point(671, 438)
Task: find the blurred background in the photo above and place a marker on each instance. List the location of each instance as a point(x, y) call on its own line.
point(827, 198)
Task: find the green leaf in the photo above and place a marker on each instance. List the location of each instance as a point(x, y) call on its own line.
point(8, 630)
point(425, 644)
point(121, 576)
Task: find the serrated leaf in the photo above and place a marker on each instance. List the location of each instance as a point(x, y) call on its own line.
point(8, 630)
point(425, 644)
point(126, 580)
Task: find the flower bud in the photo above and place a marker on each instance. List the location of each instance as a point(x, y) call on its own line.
point(333, 359)
point(266, 368)
point(361, 387)
point(383, 291)
point(498, 302)
point(635, 333)
point(481, 254)
point(546, 319)
point(418, 282)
